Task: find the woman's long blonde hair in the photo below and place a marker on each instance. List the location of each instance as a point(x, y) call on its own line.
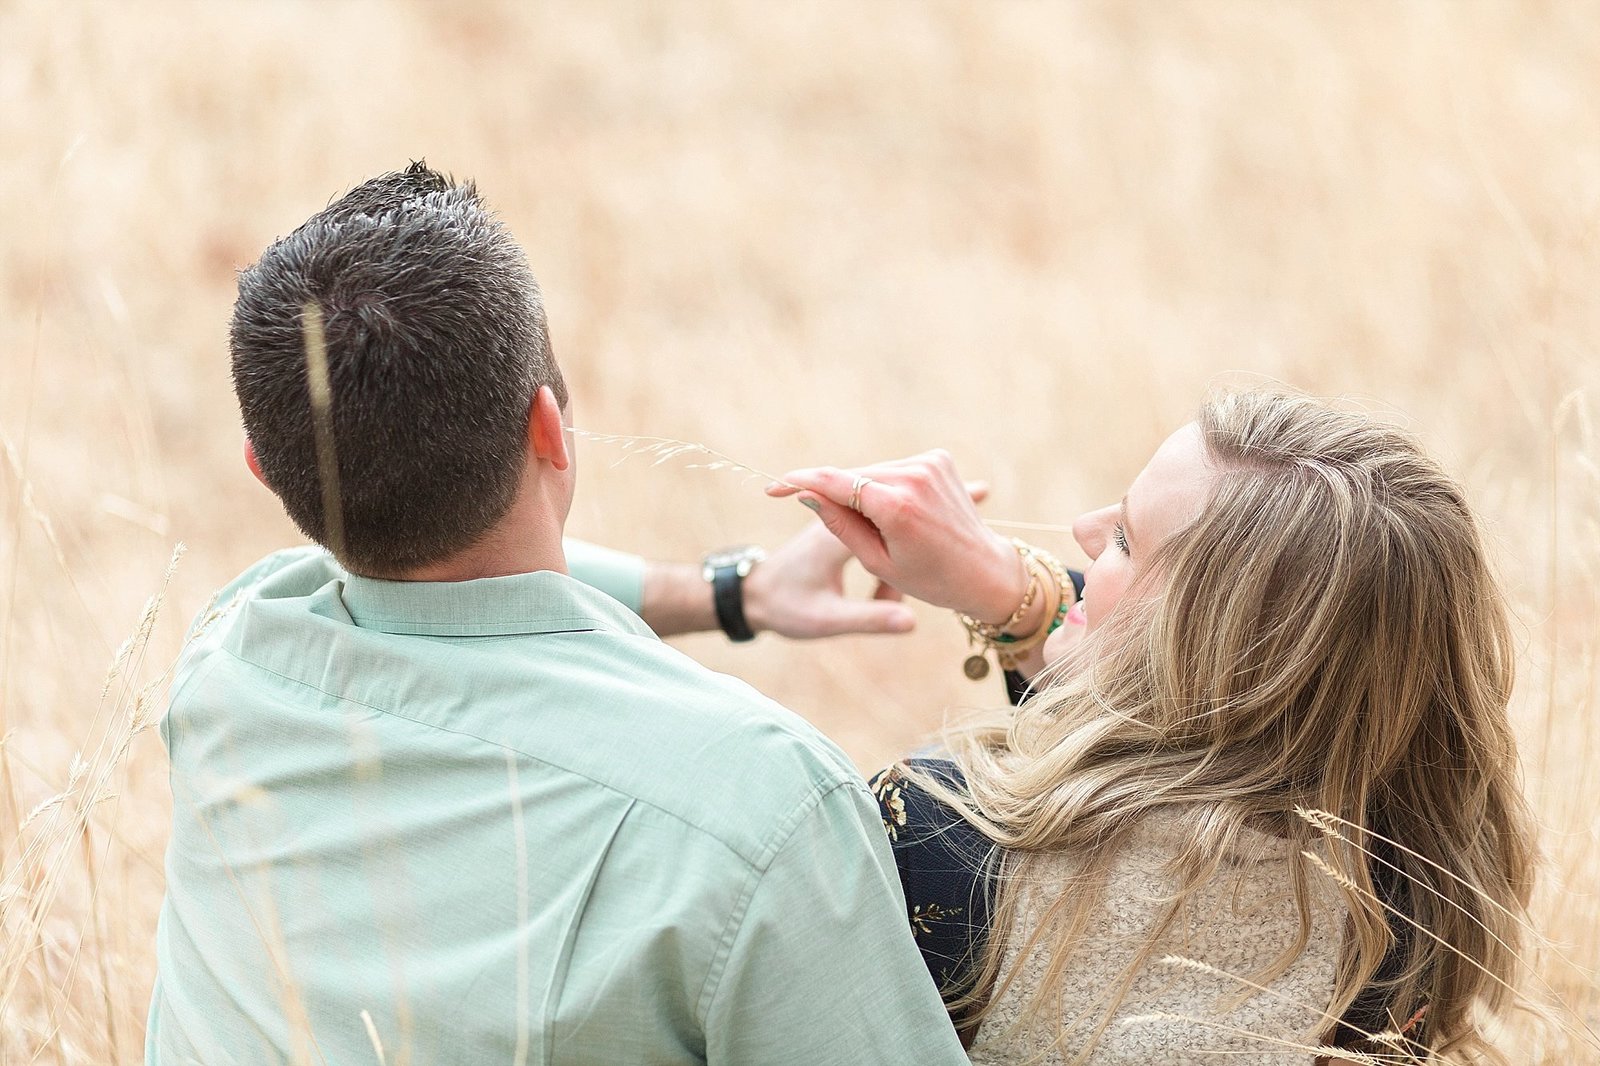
point(1325, 637)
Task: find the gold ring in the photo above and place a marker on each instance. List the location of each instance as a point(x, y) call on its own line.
point(855, 492)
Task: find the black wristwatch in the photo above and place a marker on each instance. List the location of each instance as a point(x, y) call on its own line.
point(726, 570)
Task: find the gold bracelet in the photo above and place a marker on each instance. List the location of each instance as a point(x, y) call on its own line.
point(1068, 592)
point(1030, 574)
point(1030, 591)
point(1009, 649)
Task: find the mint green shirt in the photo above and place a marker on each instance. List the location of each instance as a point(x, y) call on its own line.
point(499, 821)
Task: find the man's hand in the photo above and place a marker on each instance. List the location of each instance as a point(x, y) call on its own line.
point(798, 591)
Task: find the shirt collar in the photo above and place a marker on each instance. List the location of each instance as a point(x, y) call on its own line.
point(539, 602)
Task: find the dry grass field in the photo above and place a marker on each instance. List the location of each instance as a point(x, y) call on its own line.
point(1033, 233)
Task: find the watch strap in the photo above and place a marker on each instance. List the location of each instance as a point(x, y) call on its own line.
point(727, 593)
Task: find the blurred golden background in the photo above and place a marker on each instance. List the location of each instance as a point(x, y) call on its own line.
point(1031, 233)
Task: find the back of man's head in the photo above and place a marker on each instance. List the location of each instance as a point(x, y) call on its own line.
point(436, 343)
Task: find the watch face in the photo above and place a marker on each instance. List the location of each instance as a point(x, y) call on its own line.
point(744, 553)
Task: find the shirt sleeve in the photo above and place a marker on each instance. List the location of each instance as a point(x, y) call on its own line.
point(820, 965)
point(617, 574)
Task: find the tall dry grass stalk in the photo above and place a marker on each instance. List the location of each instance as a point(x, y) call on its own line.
point(53, 906)
point(321, 397)
point(835, 232)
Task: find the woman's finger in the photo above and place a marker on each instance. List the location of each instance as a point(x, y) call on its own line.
point(871, 490)
point(854, 531)
point(827, 481)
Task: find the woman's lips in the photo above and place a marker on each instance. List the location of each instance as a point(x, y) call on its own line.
point(1076, 615)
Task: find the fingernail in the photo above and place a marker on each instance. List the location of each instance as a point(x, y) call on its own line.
point(813, 504)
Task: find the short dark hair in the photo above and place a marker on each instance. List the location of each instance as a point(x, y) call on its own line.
point(436, 344)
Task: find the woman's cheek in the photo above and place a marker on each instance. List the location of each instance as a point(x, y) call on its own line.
point(1102, 589)
point(1062, 642)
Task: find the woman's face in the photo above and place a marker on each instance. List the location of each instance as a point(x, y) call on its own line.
point(1168, 494)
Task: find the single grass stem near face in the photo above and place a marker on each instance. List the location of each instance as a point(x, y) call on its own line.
point(665, 449)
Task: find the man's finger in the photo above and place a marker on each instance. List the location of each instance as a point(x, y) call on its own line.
point(868, 616)
point(822, 545)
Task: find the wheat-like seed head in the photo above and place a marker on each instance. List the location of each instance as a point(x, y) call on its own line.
point(1316, 1050)
point(665, 449)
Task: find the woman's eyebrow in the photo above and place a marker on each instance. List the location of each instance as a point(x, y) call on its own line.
point(1127, 530)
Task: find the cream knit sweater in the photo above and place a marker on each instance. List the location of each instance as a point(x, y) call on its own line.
point(1175, 1016)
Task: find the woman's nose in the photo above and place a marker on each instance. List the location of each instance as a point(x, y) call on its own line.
point(1089, 533)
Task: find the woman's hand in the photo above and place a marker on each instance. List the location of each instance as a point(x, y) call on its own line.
point(916, 529)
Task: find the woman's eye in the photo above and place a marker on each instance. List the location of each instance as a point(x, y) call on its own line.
point(1119, 538)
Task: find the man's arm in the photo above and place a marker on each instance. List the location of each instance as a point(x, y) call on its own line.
point(797, 591)
point(821, 967)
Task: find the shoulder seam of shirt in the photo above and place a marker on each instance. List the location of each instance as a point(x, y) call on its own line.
point(258, 572)
point(758, 863)
point(179, 687)
point(775, 843)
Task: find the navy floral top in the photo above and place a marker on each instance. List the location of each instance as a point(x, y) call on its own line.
point(946, 870)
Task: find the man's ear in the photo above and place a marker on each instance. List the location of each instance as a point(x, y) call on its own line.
point(252, 462)
point(547, 429)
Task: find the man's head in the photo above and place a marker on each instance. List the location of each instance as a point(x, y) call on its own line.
point(436, 347)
